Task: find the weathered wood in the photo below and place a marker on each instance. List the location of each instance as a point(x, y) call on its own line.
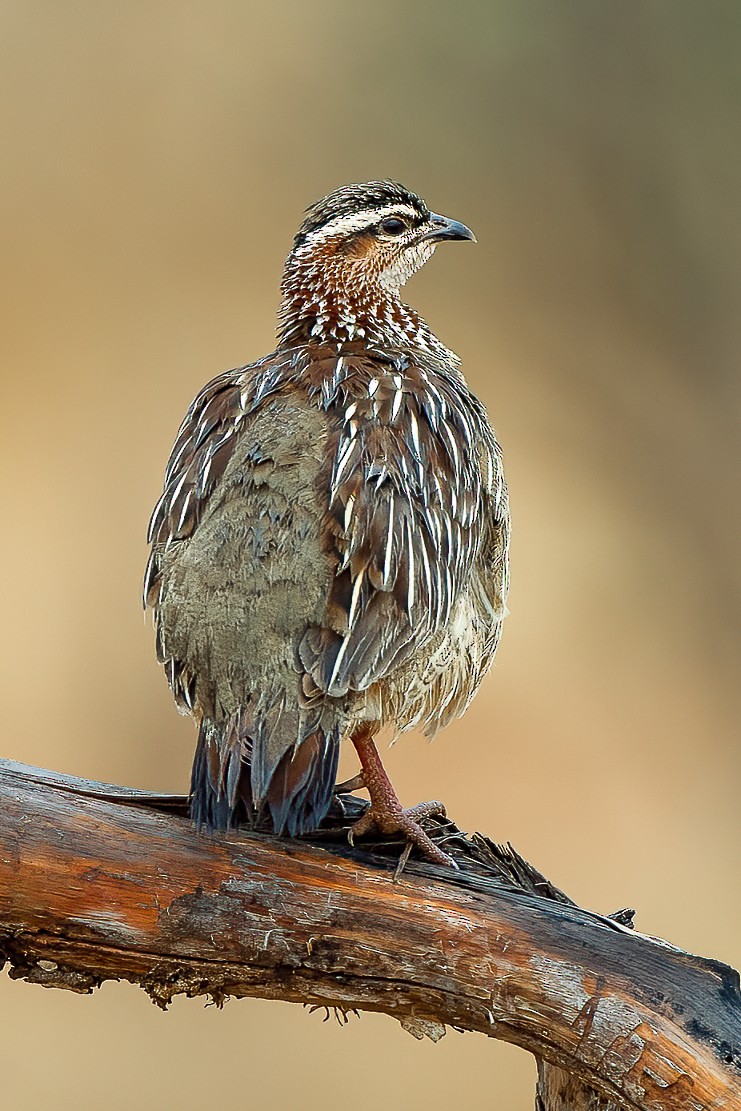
point(91, 889)
point(559, 1091)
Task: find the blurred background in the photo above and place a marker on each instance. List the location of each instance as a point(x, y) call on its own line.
point(156, 161)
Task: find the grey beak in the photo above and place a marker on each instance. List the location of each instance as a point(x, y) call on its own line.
point(441, 227)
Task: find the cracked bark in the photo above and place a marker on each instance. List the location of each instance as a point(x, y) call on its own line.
point(101, 883)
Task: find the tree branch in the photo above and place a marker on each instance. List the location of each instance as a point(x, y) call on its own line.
point(95, 884)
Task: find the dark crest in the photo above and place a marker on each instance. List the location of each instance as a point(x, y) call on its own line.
point(349, 199)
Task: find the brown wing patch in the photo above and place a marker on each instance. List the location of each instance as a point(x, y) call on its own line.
point(205, 443)
point(408, 494)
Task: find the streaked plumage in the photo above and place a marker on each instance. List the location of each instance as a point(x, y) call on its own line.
point(329, 554)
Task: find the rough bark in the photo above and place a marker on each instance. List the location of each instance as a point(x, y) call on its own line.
point(96, 884)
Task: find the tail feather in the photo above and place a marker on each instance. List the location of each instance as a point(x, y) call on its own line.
point(220, 796)
point(301, 787)
point(295, 790)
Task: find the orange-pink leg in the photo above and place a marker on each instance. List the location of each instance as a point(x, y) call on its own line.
point(386, 813)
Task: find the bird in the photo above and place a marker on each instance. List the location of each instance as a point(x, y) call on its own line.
point(329, 556)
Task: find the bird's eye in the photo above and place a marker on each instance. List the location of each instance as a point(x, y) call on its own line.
point(393, 226)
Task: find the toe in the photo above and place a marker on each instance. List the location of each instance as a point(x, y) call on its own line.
point(406, 822)
point(426, 810)
point(427, 846)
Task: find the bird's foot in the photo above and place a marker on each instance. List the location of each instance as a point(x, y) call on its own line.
point(357, 783)
point(386, 813)
point(387, 816)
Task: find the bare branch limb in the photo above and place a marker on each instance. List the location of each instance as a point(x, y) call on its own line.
point(92, 889)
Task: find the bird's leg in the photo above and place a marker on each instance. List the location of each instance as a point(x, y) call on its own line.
point(386, 812)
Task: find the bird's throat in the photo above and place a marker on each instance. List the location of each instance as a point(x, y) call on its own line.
point(321, 306)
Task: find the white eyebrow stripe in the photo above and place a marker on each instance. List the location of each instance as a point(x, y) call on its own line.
point(356, 221)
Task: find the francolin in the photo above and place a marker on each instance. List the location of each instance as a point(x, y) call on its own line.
point(329, 555)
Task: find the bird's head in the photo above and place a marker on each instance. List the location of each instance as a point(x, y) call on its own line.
point(355, 250)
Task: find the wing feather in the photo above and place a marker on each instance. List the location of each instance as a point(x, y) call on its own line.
point(410, 499)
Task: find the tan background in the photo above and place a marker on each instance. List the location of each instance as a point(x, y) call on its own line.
point(156, 160)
